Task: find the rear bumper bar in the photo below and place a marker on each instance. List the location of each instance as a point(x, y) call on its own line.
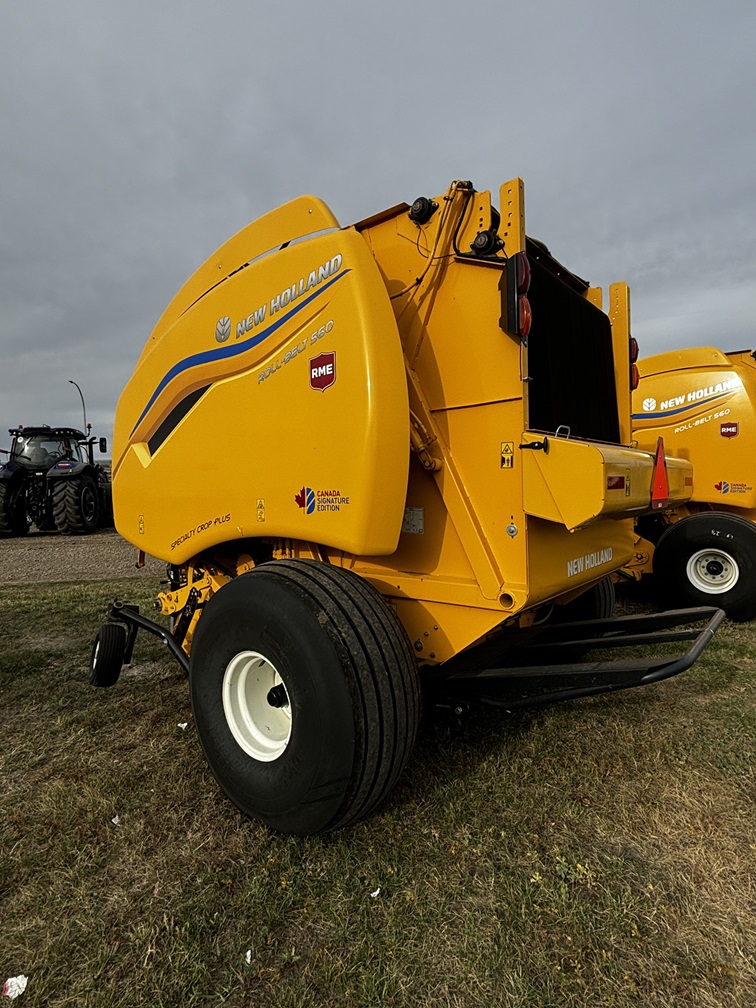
point(563, 662)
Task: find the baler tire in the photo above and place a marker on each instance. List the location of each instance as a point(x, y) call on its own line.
point(108, 653)
point(12, 522)
point(322, 643)
point(76, 508)
point(709, 559)
point(595, 603)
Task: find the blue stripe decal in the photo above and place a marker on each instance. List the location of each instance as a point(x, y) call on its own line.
point(682, 409)
point(226, 352)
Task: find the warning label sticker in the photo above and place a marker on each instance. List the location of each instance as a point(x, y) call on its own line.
point(414, 521)
point(507, 454)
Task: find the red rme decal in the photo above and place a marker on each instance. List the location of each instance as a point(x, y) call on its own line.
point(729, 429)
point(323, 370)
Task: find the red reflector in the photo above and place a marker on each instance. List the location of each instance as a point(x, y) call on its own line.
point(523, 273)
point(660, 483)
point(525, 316)
point(633, 350)
point(615, 482)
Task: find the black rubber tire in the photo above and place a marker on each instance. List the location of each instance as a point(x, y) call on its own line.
point(13, 520)
point(595, 603)
point(107, 655)
point(76, 507)
point(352, 686)
point(105, 494)
point(725, 576)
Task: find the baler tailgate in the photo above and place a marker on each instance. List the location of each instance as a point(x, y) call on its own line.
point(552, 665)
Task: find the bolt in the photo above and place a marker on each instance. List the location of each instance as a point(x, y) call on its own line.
point(418, 645)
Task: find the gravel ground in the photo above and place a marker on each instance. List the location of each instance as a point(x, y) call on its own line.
point(48, 557)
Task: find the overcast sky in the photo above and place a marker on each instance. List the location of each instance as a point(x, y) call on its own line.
point(137, 137)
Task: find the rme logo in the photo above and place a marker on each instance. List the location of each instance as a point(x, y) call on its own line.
point(323, 370)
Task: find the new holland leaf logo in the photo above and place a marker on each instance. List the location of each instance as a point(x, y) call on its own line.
point(223, 329)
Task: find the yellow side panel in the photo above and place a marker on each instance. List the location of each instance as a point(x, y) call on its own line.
point(558, 563)
point(576, 481)
point(276, 406)
point(484, 470)
point(464, 358)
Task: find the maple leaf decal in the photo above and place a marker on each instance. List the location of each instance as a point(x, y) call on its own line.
point(300, 498)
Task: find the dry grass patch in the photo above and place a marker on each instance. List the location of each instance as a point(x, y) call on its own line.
point(594, 853)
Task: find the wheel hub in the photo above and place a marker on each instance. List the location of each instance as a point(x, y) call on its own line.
point(256, 705)
point(278, 697)
point(713, 571)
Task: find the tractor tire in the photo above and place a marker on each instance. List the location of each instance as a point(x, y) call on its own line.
point(13, 518)
point(75, 505)
point(595, 603)
point(107, 655)
point(305, 695)
point(105, 493)
point(709, 559)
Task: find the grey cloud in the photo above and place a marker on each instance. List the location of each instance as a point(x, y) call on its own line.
point(138, 137)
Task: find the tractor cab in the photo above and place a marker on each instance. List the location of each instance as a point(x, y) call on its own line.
point(41, 450)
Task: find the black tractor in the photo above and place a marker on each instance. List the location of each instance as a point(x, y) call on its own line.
point(50, 480)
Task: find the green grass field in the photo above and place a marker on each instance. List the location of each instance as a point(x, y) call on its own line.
point(598, 852)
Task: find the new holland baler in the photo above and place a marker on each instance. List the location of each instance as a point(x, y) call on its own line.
point(378, 459)
point(703, 551)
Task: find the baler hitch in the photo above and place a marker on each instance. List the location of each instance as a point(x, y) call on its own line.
point(129, 615)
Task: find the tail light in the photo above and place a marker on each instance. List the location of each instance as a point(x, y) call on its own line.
point(518, 315)
point(634, 372)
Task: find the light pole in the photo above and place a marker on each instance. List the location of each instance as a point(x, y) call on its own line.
point(83, 406)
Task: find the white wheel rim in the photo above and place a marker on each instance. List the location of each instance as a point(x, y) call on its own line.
point(713, 571)
point(260, 728)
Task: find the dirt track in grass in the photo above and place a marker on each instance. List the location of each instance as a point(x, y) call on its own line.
point(48, 557)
